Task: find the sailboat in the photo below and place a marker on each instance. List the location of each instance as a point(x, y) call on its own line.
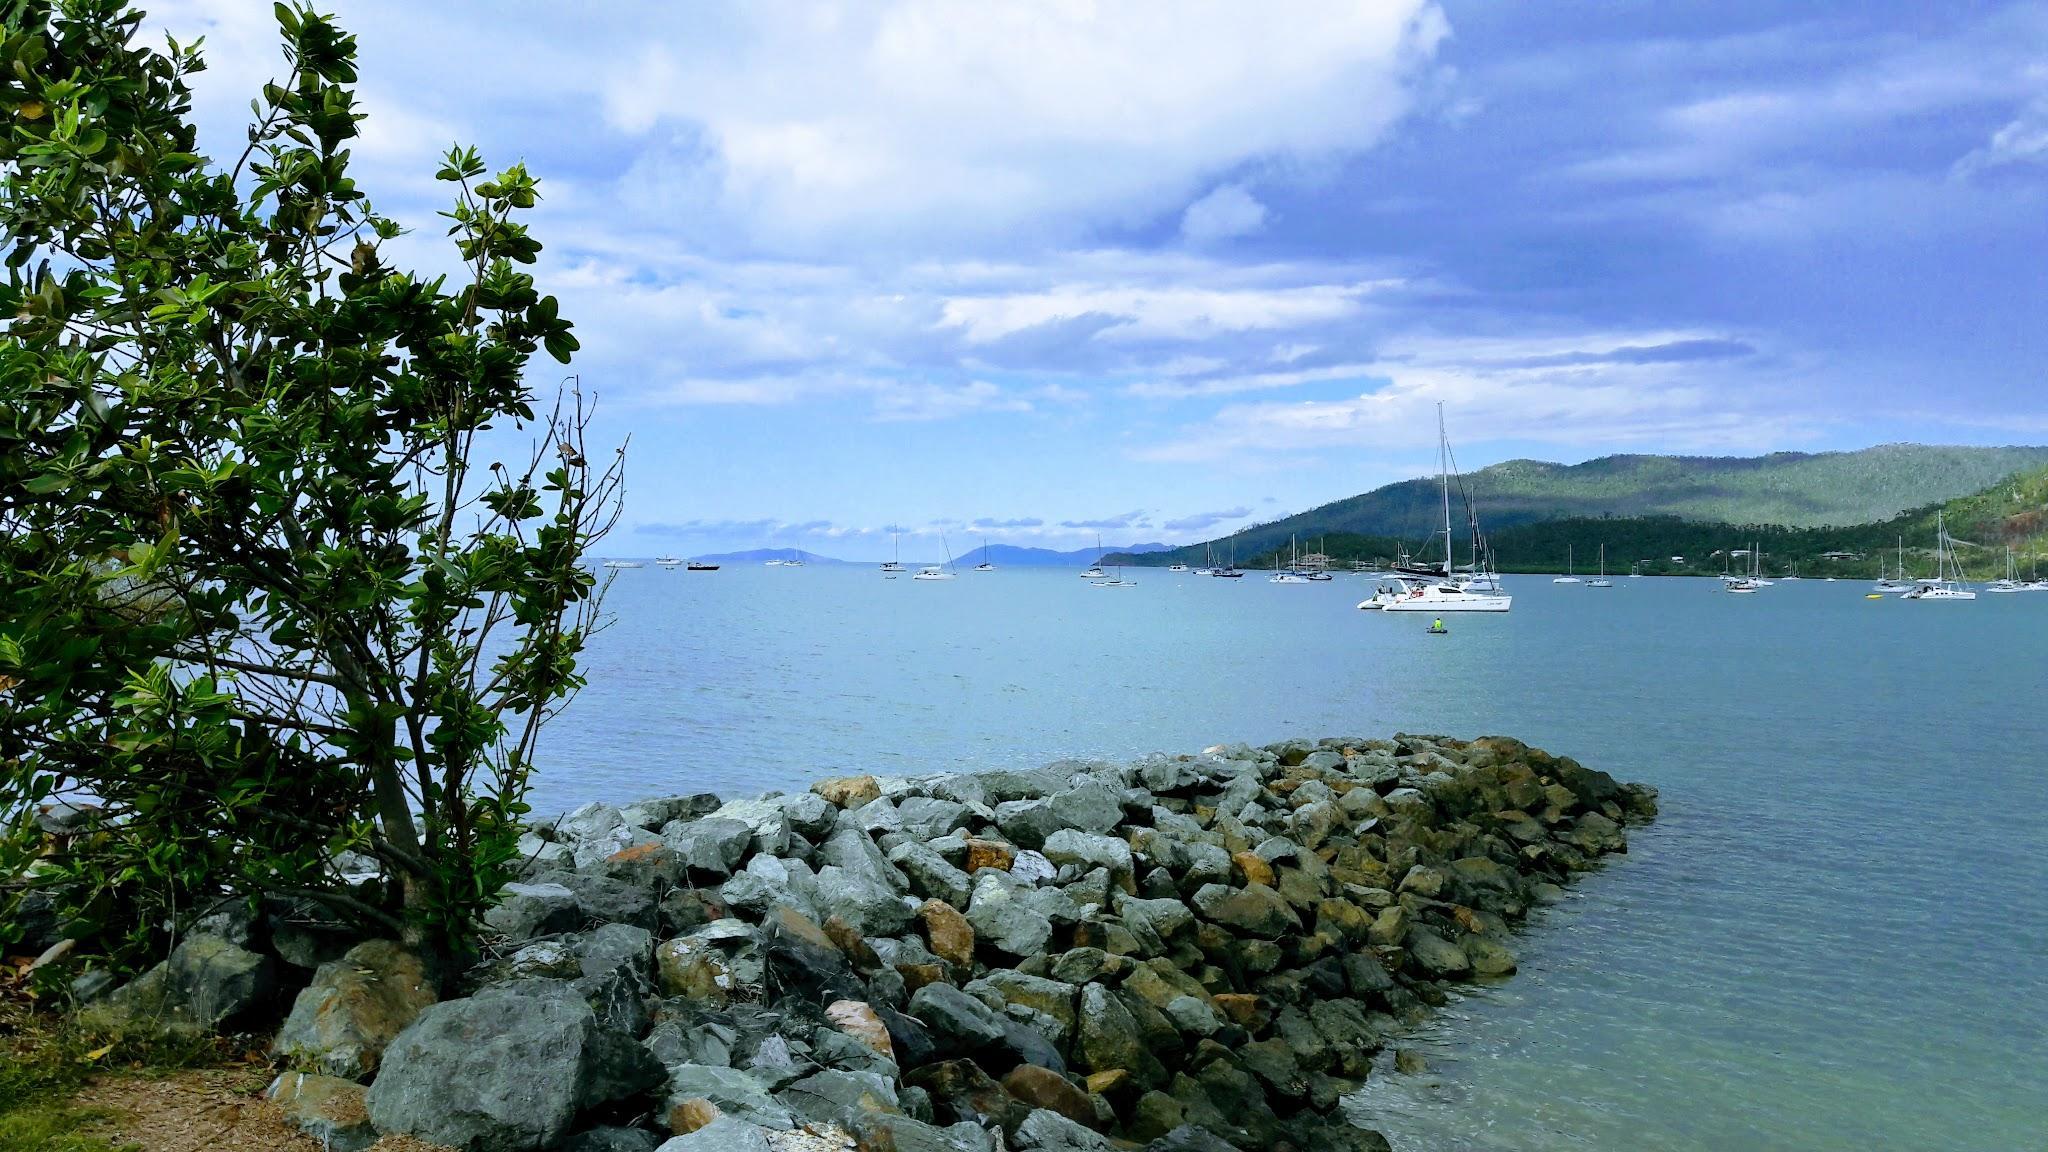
point(1947, 583)
point(891, 567)
point(2011, 583)
point(1208, 567)
point(1898, 583)
point(934, 571)
point(1567, 578)
point(1601, 581)
point(1229, 570)
point(1413, 591)
point(984, 566)
point(1094, 571)
point(1750, 582)
point(2034, 582)
point(1289, 576)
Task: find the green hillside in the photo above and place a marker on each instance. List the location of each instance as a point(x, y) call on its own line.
point(2011, 513)
point(1789, 489)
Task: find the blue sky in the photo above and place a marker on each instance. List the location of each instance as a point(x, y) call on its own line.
point(1159, 270)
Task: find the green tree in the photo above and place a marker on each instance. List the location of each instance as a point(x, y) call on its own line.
point(262, 594)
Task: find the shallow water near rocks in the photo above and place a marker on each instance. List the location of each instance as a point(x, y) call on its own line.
point(1834, 938)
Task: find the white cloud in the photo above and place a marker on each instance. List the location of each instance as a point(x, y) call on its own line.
point(1227, 212)
point(924, 401)
point(1590, 389)
point(2023, 139)
point(1159, 313)
point(1201, 521)
point(919, 118)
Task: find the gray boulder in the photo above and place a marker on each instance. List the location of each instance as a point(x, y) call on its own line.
point(959, 1024)
point(850, 848)
point(740, 1095)
point(929, 817)
point(506, 1070)
point(1027, 823)
point(1002, 920)
point(1088, 807)
point(593, 819)
point(610, 1139)
point(206, 984)
point(1255, 910)
point(834, 1096)
point(873, 907)
point(1048, 1131)
point(712, 846)
point(1088, 850)
point(524, 911)
point(929, 874)
point(591, 855)
point(1436, 956)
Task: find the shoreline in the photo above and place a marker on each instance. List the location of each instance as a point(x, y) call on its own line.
point(1181, 954)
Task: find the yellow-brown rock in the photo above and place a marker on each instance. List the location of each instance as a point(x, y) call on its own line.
point(947, 932)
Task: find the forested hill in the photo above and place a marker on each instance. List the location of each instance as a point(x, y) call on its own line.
point(2013, 513)
point(1789, 489)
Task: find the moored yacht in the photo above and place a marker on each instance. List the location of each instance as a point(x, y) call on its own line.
point(1947, 582)
point(1419, 589)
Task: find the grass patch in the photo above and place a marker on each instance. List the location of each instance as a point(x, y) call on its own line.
point(45, 1059)
point(43, 1062)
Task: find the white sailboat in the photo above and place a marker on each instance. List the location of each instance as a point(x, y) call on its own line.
point(1414, 593)
point(984, 566)
point(1947, 583)
point(1601, 581)
point(1094, 571)
point(2011, 582)
point(934, 571)
point(891, 567)
point(1898, 583)
point(1567, 578)
point(1289, 575)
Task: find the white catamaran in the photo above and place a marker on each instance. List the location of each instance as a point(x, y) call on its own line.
point(1947, 583)
point(1416, 589)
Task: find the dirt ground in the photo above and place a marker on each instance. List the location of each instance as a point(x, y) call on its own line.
point(208, 1110)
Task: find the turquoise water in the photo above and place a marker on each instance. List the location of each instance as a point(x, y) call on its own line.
point(1835, 938)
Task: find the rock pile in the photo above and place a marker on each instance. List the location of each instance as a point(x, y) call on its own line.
point(1183, 954)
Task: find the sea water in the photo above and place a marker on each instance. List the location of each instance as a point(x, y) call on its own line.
point(1836, 937)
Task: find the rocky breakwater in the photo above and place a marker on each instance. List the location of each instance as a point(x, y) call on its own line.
point(1184, 954)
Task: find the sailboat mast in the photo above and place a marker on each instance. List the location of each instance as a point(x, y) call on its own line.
point(1443, 459)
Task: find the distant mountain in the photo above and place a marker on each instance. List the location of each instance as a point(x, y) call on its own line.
point(1011, 556)
point(763, 555)
point(1790, 489)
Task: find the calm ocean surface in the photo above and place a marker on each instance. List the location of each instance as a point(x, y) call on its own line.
point(1835, 938)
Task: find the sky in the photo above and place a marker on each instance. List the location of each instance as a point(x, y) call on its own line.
point(1155, 271)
